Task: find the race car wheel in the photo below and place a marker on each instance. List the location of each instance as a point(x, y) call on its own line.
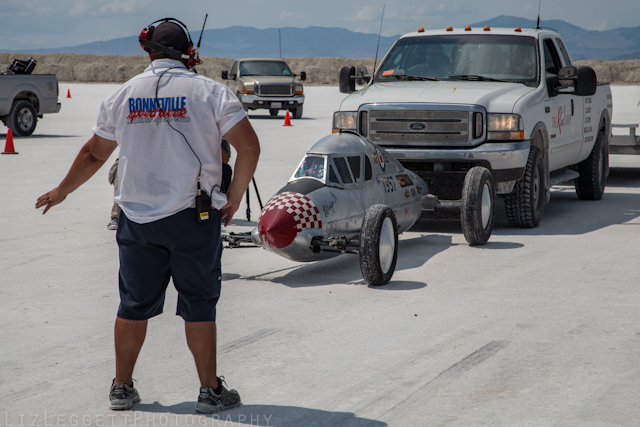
point(478, 205)
point(22, 118)
point(594, 170)
point(378, 245)
point(525, 203)
point(297, 113)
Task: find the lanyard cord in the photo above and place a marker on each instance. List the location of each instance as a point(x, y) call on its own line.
point(169, 123)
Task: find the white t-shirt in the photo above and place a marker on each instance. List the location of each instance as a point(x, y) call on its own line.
point(157, 174)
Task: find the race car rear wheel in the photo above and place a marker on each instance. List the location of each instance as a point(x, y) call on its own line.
point(22, 118)
point(378, 245)
point(478, 205)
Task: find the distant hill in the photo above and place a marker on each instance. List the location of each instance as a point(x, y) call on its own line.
point(322, 42)
point(246, 42)
point(611, 45)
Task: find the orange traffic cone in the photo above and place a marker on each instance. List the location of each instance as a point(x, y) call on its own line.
point(68, 93)
point(8, 149)
point(287, 120)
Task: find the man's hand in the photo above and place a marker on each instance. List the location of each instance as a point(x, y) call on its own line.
point(90, 158)
point(244, 139)
point(50, 199)
point(229, 210)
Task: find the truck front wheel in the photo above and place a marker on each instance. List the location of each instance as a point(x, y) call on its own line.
point(593, 171)
point(478, 206)
point(297, 113)
point(525, 204)
point(22, 118)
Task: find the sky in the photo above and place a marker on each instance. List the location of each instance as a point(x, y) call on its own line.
point(32, 24)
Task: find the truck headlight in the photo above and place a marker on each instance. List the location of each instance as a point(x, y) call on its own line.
point(504, 127)
point(298, 90)
point(248, 89)
point(344, 120)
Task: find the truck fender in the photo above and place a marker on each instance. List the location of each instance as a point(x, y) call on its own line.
point(540, 139)
point(27, 92)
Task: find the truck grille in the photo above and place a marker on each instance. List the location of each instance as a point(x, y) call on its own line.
point(274, 89)
point(418, 126)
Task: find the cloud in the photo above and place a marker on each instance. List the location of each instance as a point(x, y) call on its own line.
point(366, 14)
point(288, 15)
point(112, 7)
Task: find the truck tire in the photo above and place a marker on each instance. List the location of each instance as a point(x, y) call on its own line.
point(525, 204)
point(378, 245)
point(22, 118)
point(592, 181)
point(297, 113)
point(478, 205)
point(273, 112)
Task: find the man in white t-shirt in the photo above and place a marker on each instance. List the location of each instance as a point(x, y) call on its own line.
point(168, 123)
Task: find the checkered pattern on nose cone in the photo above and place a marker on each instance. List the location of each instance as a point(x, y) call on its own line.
point(304, 211)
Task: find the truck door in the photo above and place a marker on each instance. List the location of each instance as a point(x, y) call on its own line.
point(564, 121)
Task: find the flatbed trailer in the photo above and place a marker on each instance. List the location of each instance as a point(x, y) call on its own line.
point(625, 144)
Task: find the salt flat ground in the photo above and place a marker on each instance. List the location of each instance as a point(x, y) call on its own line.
point(539, 327)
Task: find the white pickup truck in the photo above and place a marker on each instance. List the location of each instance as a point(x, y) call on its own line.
point(24, 96)
point(506, 104)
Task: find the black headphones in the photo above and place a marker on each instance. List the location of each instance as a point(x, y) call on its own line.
point(191, 56)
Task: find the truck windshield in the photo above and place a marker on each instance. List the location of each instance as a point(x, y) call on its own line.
point(462, 57)
point(264, 68)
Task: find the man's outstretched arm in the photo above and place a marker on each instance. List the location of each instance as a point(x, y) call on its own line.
point(91, 157)
point(245, 141)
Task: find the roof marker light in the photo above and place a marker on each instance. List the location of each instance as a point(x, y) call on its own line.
point(449, 28)
point(421, 30)
point(518, 29)
point(487, 28)
point(467, 28)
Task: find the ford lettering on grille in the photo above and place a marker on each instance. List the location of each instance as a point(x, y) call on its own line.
point(417, 126)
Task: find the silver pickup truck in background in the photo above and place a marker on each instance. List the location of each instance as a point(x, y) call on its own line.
point(25, 97)
point(266, 84)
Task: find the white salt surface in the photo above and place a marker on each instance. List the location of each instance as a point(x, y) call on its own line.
point(538, 327)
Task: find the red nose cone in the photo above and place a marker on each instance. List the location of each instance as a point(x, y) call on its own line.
point(286, 215)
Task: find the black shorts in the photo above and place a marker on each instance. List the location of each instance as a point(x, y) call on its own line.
point(175, 247)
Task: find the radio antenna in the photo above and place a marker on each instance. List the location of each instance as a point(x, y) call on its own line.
point(539, 6)
point(375, 62)
point(202, 31)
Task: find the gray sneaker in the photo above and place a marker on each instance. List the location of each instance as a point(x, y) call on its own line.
point(123, 396)
point(210, 402)
point(113, 224)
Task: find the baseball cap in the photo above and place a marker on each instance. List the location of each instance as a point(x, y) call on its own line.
point(170, 34)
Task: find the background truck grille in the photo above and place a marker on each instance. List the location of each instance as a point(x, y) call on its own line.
point(274, 89)
point(418, 126)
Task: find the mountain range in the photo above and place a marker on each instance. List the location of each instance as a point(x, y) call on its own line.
point(290, 42)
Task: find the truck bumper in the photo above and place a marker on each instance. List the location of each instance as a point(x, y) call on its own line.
point(506, 161)
point(286, 102)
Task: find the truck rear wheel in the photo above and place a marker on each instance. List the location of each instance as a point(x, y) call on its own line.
point(591, 183)
point(22, 118)
point(378, 245)
point(478, 206)
point(525, 204)
point(273, 112)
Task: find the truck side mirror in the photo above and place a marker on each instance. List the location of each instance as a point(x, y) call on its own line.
point(303, 76)
point(347, 81)
point(587, 81)
point(225, 74)
point(567, 76)
point(362, 77)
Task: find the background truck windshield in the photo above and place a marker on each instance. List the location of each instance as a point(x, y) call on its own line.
point(264, 68)
point(506, 58)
